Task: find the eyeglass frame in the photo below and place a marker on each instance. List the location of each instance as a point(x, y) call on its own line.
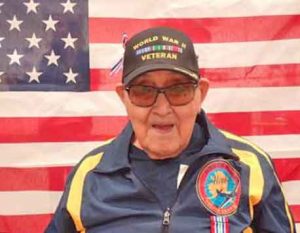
point(162, 91)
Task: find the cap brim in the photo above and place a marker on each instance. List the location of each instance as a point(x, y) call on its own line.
point(141, 70)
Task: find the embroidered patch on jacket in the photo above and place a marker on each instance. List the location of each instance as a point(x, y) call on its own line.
point(219, 188)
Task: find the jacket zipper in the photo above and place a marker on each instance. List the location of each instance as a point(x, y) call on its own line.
point(168, 212)
point(166, 220)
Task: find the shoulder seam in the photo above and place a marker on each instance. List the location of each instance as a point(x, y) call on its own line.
point(242, 140)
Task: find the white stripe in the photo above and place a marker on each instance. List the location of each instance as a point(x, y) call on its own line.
point(68, 153)
point(252, 99)
point(215, 224)
point(33, 202)
point(190, 8)
point(291, 191)
point(43, 202)
point(28, 202)
point(216, 55)
point(219, 226)
point(44, 154)
point(278, 146)
point(45, 104)
point(107, 103)
point(298, 227)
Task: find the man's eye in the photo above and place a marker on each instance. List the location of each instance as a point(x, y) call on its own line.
point(178, 88)
point(146, 89)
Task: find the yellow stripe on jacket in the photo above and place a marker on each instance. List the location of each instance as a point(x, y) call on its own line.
point(76, 189)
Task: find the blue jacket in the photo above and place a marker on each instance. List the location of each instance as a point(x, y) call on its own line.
point(231, 186)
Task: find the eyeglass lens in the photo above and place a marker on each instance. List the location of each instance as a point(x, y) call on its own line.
point(145, 96)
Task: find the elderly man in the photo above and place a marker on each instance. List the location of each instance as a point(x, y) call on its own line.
point(171, 170)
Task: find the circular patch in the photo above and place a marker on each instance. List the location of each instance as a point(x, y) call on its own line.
point(218, 187)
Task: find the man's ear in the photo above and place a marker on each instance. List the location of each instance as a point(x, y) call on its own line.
point(120, 91)
point(203, 86)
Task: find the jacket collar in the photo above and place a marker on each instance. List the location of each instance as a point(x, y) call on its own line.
point(116, 153)
point(115, 156)
point(216, 141)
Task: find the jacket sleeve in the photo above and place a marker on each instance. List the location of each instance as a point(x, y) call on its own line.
point(62, 221)
point(272, 214)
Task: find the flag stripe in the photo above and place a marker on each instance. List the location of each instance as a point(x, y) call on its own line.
point(43, 202)
point(107, 103)
point(248, 50)
point(211, 55)
point(278, 146)
point(293, 171)
point(205, 30)
point(291, 191)
point(257, 76)
point(49, 129)
point(32, 223)
point(18, 155)
point(252, 99)
point(38, 222)
point(29, 155)
point(49, 104)
point(258, 123)
point(296, 214)
point(53, 178)
point(28, 202)
point(190, 8)
point(43, 178)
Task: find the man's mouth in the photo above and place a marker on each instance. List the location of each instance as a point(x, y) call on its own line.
point(163, 128)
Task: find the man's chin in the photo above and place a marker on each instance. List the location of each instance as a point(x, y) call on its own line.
point(163, 152)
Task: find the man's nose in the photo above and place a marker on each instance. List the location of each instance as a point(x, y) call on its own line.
point(162, 105)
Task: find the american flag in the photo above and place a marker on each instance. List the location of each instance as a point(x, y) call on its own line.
point(57, 99)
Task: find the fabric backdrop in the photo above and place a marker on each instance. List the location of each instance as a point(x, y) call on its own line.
point(57, 99)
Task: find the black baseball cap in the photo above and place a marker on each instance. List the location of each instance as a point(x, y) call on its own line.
point(159, 48)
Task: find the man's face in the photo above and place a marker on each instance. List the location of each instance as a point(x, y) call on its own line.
point(163, 130)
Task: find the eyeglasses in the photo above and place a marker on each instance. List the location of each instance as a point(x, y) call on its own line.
point(177, 95)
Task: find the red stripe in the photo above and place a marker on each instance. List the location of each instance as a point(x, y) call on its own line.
point(295, 209)
point(287, 169)
point(212, 224)
point(23, 179)
point(24, 223)
point(38, 223)
point(60, 129)
point(258, 123)
point(63, 129)
point(257, 76)
point(54, 178)
point(100, 80)
point(227, 225)
point(259, 28)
